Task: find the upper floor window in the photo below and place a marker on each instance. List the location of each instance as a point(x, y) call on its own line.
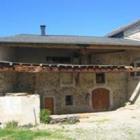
point(67, 80)
point(100, 78)
point(58, 60)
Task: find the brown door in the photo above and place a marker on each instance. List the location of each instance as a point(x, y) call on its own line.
point(49, 104)
point(100, 99)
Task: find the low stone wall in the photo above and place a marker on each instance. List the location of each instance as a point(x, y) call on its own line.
point(23, 109)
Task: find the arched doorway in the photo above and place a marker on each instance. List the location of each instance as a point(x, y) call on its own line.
point(100, 99)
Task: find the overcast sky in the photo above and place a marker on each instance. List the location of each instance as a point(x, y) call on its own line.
point(66, 17)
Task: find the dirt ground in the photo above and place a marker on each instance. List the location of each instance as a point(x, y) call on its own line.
point(121, 124)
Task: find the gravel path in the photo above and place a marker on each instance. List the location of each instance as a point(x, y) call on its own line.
point(122, 124)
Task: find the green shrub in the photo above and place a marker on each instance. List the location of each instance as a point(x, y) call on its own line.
point(11, 125)
point(45, 116)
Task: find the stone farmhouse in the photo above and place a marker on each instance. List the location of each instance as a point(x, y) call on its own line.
point(73, 74)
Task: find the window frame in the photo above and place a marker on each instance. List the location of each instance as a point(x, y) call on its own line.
point(67, 85)
point(104, 82)
point(71, 102)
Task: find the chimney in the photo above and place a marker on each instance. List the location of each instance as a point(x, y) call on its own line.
point(43, 30)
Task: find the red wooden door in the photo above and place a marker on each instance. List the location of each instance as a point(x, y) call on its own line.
point(100, 99)
point(49, 104)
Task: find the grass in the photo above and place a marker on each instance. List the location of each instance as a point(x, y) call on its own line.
point(26, 134)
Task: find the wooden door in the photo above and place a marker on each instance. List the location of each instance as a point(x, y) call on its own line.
point(49, 104)
point(100, 99)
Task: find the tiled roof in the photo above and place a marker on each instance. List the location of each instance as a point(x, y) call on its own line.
point(34, 68)
point(62, 39)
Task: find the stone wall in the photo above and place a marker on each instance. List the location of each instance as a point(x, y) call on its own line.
point(118, 83)
point(49, 84)
point(7, 82)
point(25, 82)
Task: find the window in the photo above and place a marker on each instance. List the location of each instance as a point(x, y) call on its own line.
point(67, 80)
point(100, 78)
point(69, 100)
point(56, 60)
point(137, 64)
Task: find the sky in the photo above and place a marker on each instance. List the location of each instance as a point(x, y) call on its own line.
point(66, 17)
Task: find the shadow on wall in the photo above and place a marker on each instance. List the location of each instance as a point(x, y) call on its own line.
point(135, 94)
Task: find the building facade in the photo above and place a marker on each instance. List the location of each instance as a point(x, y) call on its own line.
point(72, 74)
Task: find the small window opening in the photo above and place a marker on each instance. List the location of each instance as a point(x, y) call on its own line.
point(69, 100)
point(100, 78)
